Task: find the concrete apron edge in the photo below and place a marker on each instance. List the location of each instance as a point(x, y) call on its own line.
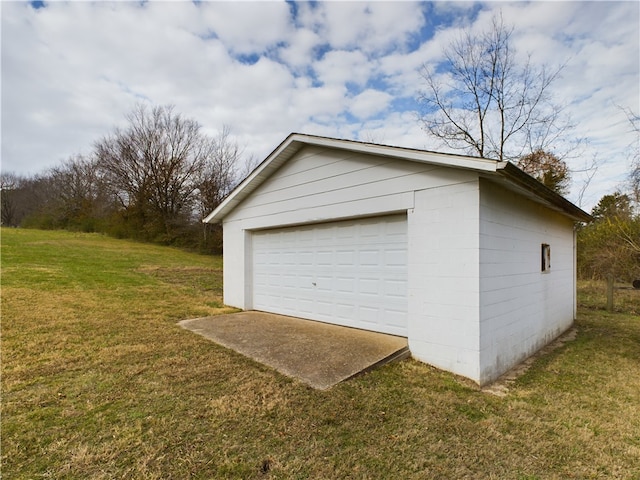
point(316, 353)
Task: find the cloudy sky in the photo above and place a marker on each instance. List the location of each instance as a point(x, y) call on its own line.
point(72, 70)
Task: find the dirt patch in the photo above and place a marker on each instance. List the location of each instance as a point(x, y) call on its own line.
point(501, 386)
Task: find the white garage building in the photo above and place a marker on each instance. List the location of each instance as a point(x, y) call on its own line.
point(471, 259)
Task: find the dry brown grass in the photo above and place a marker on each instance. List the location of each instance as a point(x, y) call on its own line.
point(625, 299)
point(98, 382)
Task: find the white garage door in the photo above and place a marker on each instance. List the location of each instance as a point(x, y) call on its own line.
point(351, 273)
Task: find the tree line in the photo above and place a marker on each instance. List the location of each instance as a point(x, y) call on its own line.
point(153, 180)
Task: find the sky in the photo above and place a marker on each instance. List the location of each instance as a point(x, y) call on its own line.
point(71, 71)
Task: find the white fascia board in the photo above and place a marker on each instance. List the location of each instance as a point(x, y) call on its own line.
point(423, 156)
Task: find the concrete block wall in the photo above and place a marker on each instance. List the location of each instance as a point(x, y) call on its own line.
point(443, 277)
point(521, 307)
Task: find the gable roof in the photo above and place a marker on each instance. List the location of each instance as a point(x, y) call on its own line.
point(504, 173)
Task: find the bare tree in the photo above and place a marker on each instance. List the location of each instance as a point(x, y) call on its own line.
point(153, 165)
point(80, 192)
point(9, 183)
point(634, 174)
point(27, 199)
point(66, 196)
point(36, 202)
point(481, 100)
point(154, 179)
point(219, 173)
point(589, 169)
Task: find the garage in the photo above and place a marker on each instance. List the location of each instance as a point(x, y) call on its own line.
point(442, 249)
point(351, 273)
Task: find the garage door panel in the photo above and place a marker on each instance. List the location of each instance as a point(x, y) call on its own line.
point(370, 257)
point(395, 258)
point(289, 302)
point(306, 258)
point(325, 308)
point(396, 318)
point(289, 281)
point(370, 314)
point(395, 288)
point(324, 258)
point(369, 286)
point(345, 311)
point(345, 258)
point(351, 273)
point(345, 285)
point(288, 259)
point(305, 282)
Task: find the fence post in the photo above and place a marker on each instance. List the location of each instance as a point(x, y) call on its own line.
point(610, 293)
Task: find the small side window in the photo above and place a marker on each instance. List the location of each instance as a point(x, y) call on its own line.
point(546, 257)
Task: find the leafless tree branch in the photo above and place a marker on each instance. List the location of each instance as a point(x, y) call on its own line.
point(482, 101)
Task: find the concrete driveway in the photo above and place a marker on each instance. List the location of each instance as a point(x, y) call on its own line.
point(319, 354)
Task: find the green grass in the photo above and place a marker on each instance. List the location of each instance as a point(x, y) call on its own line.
point(98, 382)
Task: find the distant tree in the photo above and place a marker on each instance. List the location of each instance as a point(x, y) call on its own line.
point(634, 177)
point(82, 199)
point(634, 174)
point(483, 101)
point(610, 246)
point(37, 202)
point(9, 184)
point(548, 169)
point(219, 173)
point(155, 179)
point(218, 176)
point(613, 206)
point(153, 166)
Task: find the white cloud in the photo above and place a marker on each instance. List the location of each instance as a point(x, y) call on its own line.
point(248, 27)
point(369, 103)
point(371, 26)
point(340, 67)
point(299, 52)
point(72, 70)
point(325, 102)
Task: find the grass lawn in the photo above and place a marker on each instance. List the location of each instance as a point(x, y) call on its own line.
point(98, 382)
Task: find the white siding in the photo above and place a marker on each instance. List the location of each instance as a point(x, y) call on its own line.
point(443, 278)
point(320, 185)
point(521, 308)
point(235, 269)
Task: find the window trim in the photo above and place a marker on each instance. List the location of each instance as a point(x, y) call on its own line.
point(545, 258)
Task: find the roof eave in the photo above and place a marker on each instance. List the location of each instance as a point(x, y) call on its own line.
point(296, 141)
point(553, 199)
